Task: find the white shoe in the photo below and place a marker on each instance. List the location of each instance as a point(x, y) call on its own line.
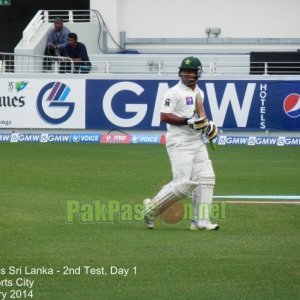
point(206, 226)
point(149, 215)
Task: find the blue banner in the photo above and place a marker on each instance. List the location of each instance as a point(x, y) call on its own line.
point(253, 105)
point(85, 138)
point(124, 104)
point(232, 104)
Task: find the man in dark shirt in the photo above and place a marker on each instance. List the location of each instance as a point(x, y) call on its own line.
point(75, 51)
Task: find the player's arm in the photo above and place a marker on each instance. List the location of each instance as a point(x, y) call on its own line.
point(170, 118)
point(167, 114)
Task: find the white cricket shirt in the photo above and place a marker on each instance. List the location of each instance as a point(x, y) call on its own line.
point(180, 101)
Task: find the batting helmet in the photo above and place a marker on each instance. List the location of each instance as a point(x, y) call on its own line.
point(191, 63)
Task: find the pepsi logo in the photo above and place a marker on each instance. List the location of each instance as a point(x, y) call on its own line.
point(291, 105)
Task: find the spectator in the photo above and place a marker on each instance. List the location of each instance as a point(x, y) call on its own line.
point(76, 51)
point(56, 42)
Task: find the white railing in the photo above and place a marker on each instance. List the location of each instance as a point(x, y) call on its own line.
point(47, 16)
point(31, 64)
point(33, 26)
point(136, 64)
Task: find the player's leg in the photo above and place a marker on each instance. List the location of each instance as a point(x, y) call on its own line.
point(203, 193)
point(181, 186)
point(168, 194)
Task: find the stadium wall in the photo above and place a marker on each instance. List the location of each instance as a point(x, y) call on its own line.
point(190, 19)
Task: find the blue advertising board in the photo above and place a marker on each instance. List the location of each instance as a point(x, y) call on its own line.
point(233, 105)
point(131, 104)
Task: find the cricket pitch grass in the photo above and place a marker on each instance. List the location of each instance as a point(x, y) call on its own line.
point(71, 225)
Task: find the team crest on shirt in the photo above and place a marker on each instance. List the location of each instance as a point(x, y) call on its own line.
point(189, 100)
point(167, 102)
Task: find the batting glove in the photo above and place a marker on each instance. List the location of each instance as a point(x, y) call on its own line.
point(211, 130)
point(198, 123)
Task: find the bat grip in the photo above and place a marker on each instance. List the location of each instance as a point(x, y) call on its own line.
point(212, 145)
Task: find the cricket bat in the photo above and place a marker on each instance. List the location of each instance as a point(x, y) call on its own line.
point(199, 109)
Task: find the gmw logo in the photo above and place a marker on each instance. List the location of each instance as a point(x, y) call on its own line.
point(55, 95)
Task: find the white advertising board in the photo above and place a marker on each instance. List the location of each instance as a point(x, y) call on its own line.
point(42, 103)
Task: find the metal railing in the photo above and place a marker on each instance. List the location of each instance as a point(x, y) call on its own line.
point(136, 64)
point(42, 16)
point(32, 64)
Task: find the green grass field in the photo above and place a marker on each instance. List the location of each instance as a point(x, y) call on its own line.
point(255, 254)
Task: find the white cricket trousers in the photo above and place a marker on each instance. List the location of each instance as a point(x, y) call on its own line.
point(190, 161)
point(192, 174)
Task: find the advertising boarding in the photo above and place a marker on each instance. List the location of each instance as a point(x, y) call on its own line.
point(41, 103)
point(254, 103)
point(232, 105)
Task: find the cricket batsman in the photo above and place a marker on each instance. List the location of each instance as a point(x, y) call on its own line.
point(187, 126)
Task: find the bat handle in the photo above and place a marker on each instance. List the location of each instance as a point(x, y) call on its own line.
point(212, 145)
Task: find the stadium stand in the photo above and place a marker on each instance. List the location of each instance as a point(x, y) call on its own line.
point(149, 56)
